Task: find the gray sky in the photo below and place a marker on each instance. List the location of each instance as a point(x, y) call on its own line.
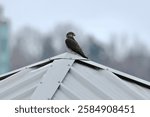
point(98, 17)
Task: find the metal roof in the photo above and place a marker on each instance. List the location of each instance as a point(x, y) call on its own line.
point(71, 77)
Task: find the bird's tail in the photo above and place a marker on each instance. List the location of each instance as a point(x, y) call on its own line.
point(83, 55)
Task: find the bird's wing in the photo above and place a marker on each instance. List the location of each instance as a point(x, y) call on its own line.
point(74, 46)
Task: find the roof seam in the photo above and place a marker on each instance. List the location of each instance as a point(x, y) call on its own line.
point(52, 79)
point(132, 80)
point(119, 74)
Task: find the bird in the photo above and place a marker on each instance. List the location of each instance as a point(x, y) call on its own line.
point(73, 45)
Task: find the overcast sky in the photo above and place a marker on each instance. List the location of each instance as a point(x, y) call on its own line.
point(98, 17)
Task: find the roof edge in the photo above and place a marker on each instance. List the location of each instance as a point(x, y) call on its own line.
point(84, 61)
point(65, 55)
point(120, 74)
point(32, 66)
point(69, 55)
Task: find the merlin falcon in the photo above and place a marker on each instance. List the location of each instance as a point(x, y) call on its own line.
point(73, 45)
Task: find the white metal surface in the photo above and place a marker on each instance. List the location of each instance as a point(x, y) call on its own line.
point(52, 79)
point(70, 76)
point(22, 84)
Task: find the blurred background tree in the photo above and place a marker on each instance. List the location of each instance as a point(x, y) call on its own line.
point(32, 46)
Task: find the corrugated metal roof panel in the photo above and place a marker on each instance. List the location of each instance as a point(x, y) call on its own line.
point(52, 79)
point(87, 83)
point(70, 76)
point(22, 84)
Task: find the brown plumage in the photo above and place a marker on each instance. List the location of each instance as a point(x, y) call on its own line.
point(73, 44)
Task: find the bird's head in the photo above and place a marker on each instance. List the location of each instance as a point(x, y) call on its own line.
point(70, 35)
